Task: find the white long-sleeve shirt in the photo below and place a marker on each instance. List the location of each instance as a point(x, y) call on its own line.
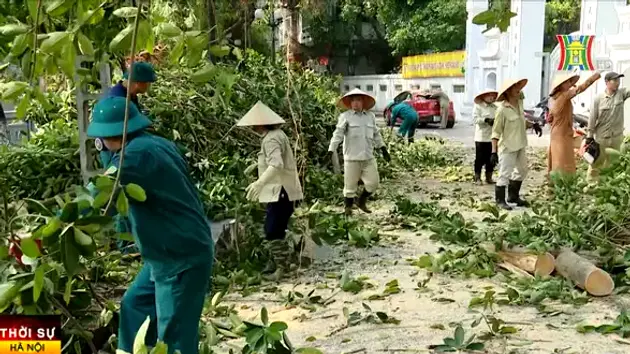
point(483, 130)
point(360, 136)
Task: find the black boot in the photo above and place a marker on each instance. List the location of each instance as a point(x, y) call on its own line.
point(514, 190)
point(280, 256)
point(499, 195)
point(363, 200)
point(489, 177)
point(477, 178)
point(348, 202)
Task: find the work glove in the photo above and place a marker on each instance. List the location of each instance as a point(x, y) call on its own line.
point(489, 121)
point(537, 129)
point(494, 159)
point(334, 158)
point(254, 189)
point(386, 154)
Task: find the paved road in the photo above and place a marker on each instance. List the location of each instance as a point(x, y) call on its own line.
point(463, 132)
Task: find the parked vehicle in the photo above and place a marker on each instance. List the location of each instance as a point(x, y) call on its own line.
point(428, 109)
point(580, 120)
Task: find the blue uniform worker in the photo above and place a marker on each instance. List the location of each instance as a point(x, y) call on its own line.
point(143, 76)
point(409, 117)
point(170, 229)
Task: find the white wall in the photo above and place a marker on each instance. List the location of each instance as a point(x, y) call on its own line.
point(385, 87)
point(474, 40)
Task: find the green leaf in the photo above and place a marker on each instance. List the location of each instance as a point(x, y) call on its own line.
point(219, 51)
point(177, 51)
point(51, 227)
point(101, 199)
point(22, 108)
point(308, 351)
point(32, 10)
point(264, 316)
point(254, 335)
point(138, 342)
point(122, 41)
point(205, 74)
point(4, 252)
point(168, 30)
point(29, 247)
point(55, 42)
point(13, 89)
point(196, 43)
point(136, 192)
point(81, 238)
point(70, 212)
point(484, 17)
point(59, 7)
point(38, 283)
point(459, 336)
point(8, 292)
point(278, 326)
point(69, 253)
point(475, 346)
point(126, 12)
point(125, 236)
point(92, 17)
point(85, 44)
point(13, 29)
point(444, 348)
point(508, 330)
point(68, 291)
point(19, 45)
point(67, 60)
point(122, 204)
point(104, 182)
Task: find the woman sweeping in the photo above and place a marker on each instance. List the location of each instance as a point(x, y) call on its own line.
point(483, 117)
point(561, 156)
point(278, 184)
point(170, 228)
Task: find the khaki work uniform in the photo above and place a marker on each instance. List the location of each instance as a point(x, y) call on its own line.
point(511, 131)
point(444, 101)
point(360, 136)
point(606, 126)
point(276, 151)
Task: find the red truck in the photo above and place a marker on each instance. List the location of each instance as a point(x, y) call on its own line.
point(428, 109)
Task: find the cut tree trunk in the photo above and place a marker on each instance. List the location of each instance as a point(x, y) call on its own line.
point(522, 258)
point(542, 264)
point(584, 273)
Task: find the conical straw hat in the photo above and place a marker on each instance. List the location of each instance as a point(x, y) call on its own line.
point(562, 78)
point(260, 114)
point(479, 98)
point(509, 83)
point(368, 101)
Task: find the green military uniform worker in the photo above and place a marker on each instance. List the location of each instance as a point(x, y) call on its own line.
point(169, 227)
point(605, 125)
point(410, 120)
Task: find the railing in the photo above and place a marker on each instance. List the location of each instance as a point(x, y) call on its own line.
point(17, 129)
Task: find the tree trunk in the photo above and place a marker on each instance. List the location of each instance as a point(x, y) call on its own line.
point(586, 275)
point(291, 39)
point(542, 264)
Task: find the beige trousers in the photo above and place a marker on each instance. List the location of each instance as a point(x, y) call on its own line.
point(602, 160)
point(444, 114)
point(367, 171)
point(512, 166)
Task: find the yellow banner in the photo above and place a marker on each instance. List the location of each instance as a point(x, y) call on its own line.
point(30, 347)
point(449, 64)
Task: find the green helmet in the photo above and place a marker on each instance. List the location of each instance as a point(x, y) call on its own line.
point(142, 72)
point(108, 117)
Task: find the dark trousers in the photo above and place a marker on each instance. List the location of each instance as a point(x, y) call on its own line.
point(278, 215)
point(483, 151)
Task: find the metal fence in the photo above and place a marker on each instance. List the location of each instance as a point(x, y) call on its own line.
point(17, 129)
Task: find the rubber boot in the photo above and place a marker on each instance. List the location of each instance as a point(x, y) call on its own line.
point(514, 190)
point(363, 201)
point(348, 202)
point(489, 177)
point(477, 178)
point(280, 254)
point(499, 195)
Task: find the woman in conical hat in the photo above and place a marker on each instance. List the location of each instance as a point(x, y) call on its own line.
point(169, 225)
point(360, 135)
point(561, 156)
point(483, 117)
point(278, 184)
point(509, 143)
